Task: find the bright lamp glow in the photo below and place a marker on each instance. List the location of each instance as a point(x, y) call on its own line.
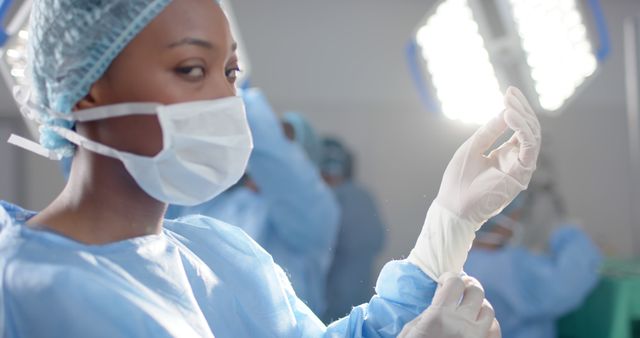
point(15, 57)
point(459, 64)
point(14, 52)
point(558, 51)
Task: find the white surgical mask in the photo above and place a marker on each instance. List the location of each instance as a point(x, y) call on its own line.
point(206, 147)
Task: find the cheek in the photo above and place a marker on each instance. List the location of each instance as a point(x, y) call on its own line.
point(144, 85)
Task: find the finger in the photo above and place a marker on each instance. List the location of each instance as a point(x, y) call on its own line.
point(471, 281)
point(449, 294)
point(494, 330)
point(472, 299)
point(529, 145)
point(443, 278)
point(488, 134)
point(511, 102)
point(517, 93)
point(486, 317)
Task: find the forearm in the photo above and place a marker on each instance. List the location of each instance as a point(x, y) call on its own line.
point(403, 291)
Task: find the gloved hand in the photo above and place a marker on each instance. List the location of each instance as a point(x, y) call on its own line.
point(476, 187)
point(450, 317)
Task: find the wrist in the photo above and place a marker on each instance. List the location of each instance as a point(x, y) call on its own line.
point(443, 243)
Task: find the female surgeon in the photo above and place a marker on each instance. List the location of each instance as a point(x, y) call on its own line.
point(141, 94)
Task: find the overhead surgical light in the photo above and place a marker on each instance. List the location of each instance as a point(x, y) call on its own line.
point(13, 46)
point(459, 64)
point(13, 50)
point(472, 50)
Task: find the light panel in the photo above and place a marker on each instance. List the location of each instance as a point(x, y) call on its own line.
point(461, 72)
point(474, 49)
point(14, 56)
point(14, 52)
point(558, 51)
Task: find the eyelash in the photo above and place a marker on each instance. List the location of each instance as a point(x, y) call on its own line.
point(228, 72)
point(185, 71)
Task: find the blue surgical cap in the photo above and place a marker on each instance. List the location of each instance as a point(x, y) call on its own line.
point(336, 159)
point(71, 45)
point(304, 135)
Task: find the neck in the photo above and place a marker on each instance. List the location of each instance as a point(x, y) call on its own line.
point(101, 203)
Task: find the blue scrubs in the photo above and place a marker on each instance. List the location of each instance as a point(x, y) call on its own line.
point(198, 278)
point(294, 216)
point(529, 292)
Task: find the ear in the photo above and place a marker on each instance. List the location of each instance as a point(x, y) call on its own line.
point(85, 103)
point(94, 98)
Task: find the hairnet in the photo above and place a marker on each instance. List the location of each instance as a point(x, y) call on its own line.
point(336, 159)
point(304, 135)
point(71, 44)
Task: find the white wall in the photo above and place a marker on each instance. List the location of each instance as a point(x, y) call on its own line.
point(343, 64)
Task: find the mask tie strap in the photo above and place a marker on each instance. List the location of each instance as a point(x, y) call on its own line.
point(33, 147)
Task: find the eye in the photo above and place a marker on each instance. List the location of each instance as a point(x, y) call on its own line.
point(232, 74)
point(192, 73)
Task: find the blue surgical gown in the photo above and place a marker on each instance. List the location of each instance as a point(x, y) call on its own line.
point(528, 291)
point(198, 278)
point(360, 239)
point(294, 216)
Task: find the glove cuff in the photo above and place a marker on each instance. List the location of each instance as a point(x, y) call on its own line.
point(444, 242)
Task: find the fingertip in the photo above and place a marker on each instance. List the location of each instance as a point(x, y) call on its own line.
point(511, 101)
point(472, 281)
point(514, 91)
point(497, 123)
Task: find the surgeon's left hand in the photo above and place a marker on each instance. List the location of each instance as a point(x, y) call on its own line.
point(458, 310)
point(476, 187)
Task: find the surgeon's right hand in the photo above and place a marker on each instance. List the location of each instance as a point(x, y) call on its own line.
point(476, 187)
point(458, 310)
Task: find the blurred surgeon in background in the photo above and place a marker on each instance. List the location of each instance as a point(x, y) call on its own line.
point(361, 234)
point(531, 288)
point(282, 201)
point(298, 129)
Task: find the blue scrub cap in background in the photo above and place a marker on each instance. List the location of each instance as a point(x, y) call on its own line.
point(336, 160)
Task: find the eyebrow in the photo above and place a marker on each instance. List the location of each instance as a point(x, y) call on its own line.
point(198, 42)
point(191, 41)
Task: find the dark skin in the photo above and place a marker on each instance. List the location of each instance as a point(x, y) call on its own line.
point(186, 53)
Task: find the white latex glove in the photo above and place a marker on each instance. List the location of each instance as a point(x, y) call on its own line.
point(458, 310)
point(476, 187)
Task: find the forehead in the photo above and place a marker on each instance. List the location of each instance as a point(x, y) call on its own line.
point(203, 19)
